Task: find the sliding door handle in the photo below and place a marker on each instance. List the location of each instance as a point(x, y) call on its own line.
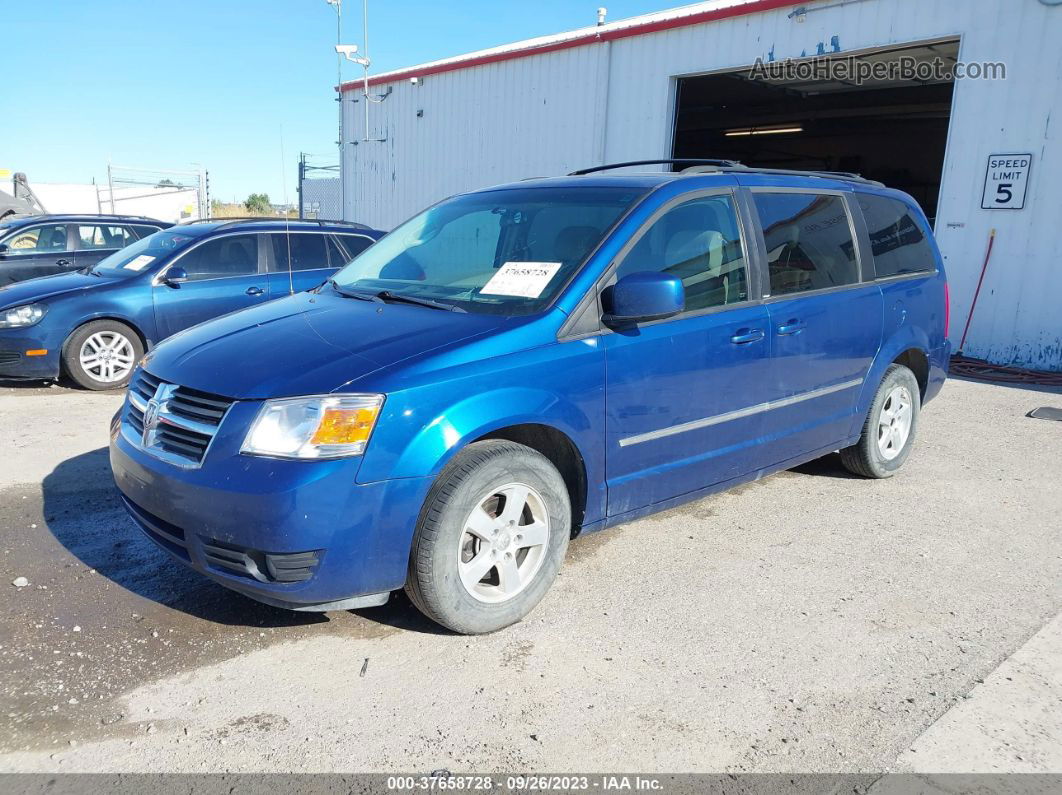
point(791, 327)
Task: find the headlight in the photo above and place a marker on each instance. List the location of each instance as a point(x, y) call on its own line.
point(20, 316)
point(329, 426)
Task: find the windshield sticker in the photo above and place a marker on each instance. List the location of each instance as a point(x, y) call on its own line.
point(521, 279)
point(139, 263)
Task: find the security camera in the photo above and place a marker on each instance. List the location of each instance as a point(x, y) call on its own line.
point(347, 50)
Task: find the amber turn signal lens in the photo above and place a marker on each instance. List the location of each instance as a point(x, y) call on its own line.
point(345, 426)
point(37, 352)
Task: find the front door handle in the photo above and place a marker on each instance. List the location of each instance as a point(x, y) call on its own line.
point(745, 336)
point(62, 262)
point(793, 326)
point(255, 291)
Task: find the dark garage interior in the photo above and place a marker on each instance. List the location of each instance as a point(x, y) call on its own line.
point(894, 131)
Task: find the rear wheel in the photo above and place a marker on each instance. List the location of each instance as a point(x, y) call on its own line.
point(491, 538)
point(102, 354)
point(890, 428)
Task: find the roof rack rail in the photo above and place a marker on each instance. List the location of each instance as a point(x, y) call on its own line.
point(688, 161)
point(272, 219)
point(722, 166)
point(844, 176)
point(114, 215)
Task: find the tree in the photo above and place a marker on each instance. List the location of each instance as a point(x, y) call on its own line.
point(258, 203)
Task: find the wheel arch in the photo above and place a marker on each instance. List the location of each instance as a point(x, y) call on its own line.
point(917, 361)
point(410, 443)
point(560, 450)
point(909, 347)
point(114, 317)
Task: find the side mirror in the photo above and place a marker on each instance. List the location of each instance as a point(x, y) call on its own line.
point(175, 275)
point(3, 249)
point(643, 296)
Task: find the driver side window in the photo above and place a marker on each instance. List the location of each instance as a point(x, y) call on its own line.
point(222, 257)
point(698, 241)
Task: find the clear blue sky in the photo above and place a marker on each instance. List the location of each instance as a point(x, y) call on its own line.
point(167, 84)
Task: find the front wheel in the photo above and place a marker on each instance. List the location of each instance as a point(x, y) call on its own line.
point(491, 538)
point(102, 355)
point(890, 428)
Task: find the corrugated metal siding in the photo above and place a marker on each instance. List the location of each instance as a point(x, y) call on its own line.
point(551, 113)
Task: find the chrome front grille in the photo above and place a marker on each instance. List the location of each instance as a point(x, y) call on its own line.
point(173, 423)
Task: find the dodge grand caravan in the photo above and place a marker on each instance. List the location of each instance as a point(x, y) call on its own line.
point(520, 364)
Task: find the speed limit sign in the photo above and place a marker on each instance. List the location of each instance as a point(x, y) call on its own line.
point(1006, 180)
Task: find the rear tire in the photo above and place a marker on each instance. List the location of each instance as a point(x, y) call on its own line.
point(890, 428)
point(490, 539)
point(102, 355)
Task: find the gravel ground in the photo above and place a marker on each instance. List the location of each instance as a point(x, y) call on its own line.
point(808, 622)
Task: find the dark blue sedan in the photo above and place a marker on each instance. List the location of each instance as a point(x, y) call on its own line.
point(95, 324)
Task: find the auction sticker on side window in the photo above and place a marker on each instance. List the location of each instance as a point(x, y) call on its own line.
point(521, 279)
point(139, 263)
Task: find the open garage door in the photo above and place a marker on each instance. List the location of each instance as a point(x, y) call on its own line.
point(893, 129)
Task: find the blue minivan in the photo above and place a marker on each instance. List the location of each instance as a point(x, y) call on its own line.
point(520, 364)
point(93, 325)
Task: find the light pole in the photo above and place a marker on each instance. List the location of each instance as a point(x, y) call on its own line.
point(338, 6)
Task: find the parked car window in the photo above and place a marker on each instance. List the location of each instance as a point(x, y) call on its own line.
point(307, 251)
point(483, 251)
point(144, 231)
point(809, 241)
point(229, 255)
point(104, 236)
point(354, 245)
point(38, 240)
point(699, 242)
point(898, 241)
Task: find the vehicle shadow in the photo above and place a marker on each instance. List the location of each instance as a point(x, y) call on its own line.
point(82, 510)
point(829, 466)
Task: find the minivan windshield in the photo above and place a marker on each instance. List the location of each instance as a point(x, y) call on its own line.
point(507, 251)
point(141, 255)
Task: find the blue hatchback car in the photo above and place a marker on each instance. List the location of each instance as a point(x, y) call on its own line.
point(95, 324)
point(519, 364)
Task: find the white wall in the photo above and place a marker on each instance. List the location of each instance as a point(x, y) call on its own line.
point(164, 204)
point(551, 113)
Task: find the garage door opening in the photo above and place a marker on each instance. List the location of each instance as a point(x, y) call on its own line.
point(893, 129)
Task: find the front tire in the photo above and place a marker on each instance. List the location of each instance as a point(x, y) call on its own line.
point(102, 355)
point(491, 538)
point(890, 428)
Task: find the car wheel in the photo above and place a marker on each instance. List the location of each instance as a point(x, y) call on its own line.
point(890, 428)
point(102, 354)
point(490, 539)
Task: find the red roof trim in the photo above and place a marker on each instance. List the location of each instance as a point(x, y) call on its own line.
point(590, 38)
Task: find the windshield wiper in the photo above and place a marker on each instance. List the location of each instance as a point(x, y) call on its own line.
point(352, 293)
point(387, 295)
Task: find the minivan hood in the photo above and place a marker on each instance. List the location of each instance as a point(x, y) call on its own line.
point(39, 289)
point(306, 344)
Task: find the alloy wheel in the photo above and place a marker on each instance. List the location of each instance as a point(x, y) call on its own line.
point(107, 356)
point(504, 543)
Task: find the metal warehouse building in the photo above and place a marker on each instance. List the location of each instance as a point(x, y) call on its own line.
point(764, 82)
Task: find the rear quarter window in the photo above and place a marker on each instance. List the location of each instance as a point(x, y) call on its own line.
point(899, 240)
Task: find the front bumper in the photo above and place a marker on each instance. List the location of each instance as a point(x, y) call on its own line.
point(249, 523)
point(14, 363)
